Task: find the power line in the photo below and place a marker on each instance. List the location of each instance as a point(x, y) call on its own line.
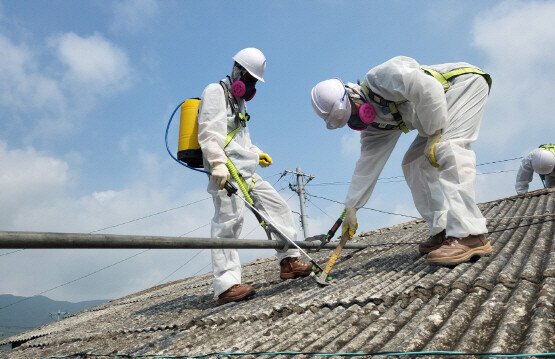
point(75, 280)
point(372, 209)
point(5, 254)
point(183, 265)
point(489, 163)
point(381, 179)
point(204, 225)
point(150, 215)
point(308, 199)
point(197, 272)
point(489, 173)
point(127, 222)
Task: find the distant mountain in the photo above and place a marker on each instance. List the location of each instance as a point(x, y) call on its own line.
point(33, 312)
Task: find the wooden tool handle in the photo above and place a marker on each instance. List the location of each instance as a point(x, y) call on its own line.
point(336, 254)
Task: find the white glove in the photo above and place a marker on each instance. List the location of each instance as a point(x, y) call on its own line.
point(350, 222)
point(429, 150)
point(220, 174)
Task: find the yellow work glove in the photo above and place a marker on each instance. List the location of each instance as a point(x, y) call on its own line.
point(264, 160)
point(350, 222)
point(220, 174)
point(429, 150)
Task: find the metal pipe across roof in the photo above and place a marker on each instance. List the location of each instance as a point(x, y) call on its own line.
point(50, 240)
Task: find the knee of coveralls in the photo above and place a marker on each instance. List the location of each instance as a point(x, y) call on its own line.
point(423, 181)
point(269, 202)
point(457, 178)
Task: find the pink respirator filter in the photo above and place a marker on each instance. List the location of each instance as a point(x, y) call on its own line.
point(238, 88)
point(367, 113)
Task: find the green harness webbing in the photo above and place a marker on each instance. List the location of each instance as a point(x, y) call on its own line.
point(550, 147)
point(443, 79)
point(235, 173)
point(392, 105)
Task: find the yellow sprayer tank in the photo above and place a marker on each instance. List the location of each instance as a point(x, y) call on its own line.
point(188, 149)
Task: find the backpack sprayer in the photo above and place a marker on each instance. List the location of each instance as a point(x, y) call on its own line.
point(190, 155)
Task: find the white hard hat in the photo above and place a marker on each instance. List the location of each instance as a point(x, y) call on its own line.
point(543, 161)
point(331, 103)
point(253, 61)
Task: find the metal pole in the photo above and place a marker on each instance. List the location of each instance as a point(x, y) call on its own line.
point(300, 185)
point(49, 240)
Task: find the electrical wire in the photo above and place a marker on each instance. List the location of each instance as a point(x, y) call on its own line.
point(151, 215)
point(291, 353)
point(509, 159)
point(521, 226)
point(5, 254)
point(381, 179)
point(309, 200)
point(197, 272)
point(371, 209)
point(75, 280)
point(183, 265)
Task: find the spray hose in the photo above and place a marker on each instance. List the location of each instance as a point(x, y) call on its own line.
point(240, 181)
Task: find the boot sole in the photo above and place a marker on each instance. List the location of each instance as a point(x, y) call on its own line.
point(461, 258)
point(239, 298)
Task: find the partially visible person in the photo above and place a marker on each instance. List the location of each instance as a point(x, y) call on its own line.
point(541, 161)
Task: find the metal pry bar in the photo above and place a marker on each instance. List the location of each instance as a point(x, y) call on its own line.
point(231, 189)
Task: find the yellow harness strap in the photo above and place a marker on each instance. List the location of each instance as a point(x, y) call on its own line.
point(392, 105)
point(234, 173)
point(445, 77)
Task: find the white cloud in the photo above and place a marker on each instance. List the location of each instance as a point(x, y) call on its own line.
point(27, 177)
point(37, 196)
point(49, 102)
point(23, 88)
point(93, 62)
point(133, 15)
point(519, 40)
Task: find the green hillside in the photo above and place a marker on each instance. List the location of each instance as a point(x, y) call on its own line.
point(33, 312)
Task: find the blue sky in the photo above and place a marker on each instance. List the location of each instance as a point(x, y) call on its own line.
point(87, 87)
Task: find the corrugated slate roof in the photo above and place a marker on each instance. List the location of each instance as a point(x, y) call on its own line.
point(384, 298)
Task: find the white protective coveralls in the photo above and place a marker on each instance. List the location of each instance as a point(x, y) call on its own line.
point(526, 174)
point(215, 121)
point(444, 196)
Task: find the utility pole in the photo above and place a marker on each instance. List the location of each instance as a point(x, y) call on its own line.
point(299, 189)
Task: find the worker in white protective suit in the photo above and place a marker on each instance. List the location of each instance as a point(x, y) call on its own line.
point(224, 136)
point(444, 103)
point(542, 161)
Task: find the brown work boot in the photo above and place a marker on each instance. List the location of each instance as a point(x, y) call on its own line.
point(293, 267)
point(236, 293)
point(432, 243)
point(457, 250)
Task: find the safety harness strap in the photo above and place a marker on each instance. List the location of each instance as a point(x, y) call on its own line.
point(443, 80)
point(445, 77)
point(230, 166)
point(392, 105)
point(550, 147)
